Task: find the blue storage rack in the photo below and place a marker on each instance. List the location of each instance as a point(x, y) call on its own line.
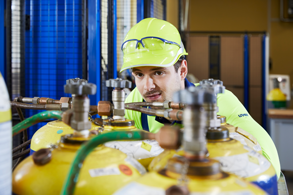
point(52, 48)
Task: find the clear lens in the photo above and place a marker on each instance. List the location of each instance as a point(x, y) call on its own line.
point(129, 47)
point(153, 44)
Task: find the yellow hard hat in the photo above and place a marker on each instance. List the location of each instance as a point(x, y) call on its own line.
point(152, 42)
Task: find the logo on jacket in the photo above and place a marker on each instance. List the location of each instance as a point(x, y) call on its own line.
point(242, 115)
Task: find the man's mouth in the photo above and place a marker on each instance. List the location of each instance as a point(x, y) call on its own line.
point(153, 97)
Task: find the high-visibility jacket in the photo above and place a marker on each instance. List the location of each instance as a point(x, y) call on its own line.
point(232, 109)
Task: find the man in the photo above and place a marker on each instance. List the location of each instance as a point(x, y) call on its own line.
point(155, 53)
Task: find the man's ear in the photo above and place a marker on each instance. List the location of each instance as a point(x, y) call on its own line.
point(183, 70)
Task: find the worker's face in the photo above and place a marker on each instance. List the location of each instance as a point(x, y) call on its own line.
point(157, 84)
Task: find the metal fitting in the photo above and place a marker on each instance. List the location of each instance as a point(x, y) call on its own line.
point(194, 119)
point(64, 106)
point(80, 104)
point(104, 108)
point(166, 104)
point(80, 120)
point(215, 85)
point(65, 100)
point(43, 100)
point(194, 130)
point(66, 116)
point(118, 96)
point(35, 100)
point(190, 96)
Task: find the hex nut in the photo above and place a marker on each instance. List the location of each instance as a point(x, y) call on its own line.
point(65, 100)
point(104, 108)
point(80, 125)
point(119, 112)
point(35, 100)
point(64, 106)
point(166, 104)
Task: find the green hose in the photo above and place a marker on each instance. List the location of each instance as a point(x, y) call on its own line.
point(40, 117)
point(72, 177)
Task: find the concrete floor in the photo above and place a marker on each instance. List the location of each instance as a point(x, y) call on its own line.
point(289, 180)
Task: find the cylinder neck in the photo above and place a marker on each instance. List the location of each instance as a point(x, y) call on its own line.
point(194, 138)
point(196, 168)
point(212, 119)
point(118, 98)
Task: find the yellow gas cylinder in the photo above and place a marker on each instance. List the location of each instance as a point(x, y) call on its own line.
point(194, 177)
point(241, 135)
point(204, 175)
point(104, 171)
point(49, 135)
point(234, 157)
point(143, 151)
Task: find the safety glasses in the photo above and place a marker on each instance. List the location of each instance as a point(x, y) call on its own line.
point(147, 43)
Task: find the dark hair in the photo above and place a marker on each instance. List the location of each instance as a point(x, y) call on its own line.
point(178, 63)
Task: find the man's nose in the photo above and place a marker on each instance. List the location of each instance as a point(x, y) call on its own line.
point(149, 84)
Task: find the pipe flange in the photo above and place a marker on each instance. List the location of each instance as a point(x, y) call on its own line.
point(119, 123)
point(42, 156)
point(71, 139)
point(222, 119)
point(220, 133)
point(205, 167)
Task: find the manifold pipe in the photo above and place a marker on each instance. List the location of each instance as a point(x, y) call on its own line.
point(36, 106)
point(169, 114)
point(158, 104)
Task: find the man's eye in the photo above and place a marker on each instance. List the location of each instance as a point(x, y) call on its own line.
point(138, 74)
point(158, 73)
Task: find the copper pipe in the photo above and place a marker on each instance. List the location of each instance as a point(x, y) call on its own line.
point(176, 115)
point(52, 101)
point(176, 105)
point(48, 101)
point(36, 106)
